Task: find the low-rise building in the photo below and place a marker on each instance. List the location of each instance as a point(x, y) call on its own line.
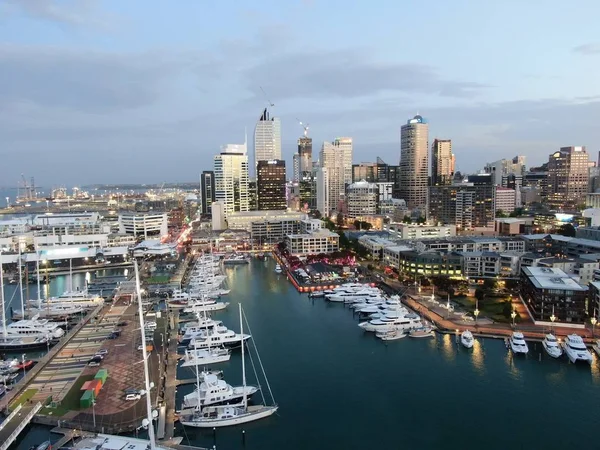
point(418, 231)
point(548, 291)
point(422, 264)
point(514, 226)
point(243, 220)
point(312, 243)
point(143, 224)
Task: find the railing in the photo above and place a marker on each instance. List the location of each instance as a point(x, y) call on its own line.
point(20, 426)
point(12, 414)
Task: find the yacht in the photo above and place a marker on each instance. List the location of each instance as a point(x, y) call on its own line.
point(517, 343)
point(576, 350)
point(218, 337)
point(349, 297)
point(391, 335)
point(466, 339)
point(596, 347)
point(391, 322)
point(192, 332)
point(50, 312)
point(81, 298)
point(421, 332)
point(550, 344)
point(214, 391)
point(205, 307)
point(200, 357)
point(34, 327)
point(202, 323)
point(278, 268)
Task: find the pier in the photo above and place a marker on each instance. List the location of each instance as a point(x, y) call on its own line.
point(16, 422)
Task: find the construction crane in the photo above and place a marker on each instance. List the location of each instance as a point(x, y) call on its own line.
point(267, 97)
point(305, 126)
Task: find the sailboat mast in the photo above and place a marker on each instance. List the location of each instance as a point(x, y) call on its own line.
point(21, 282)
point(37, 274)
point(243, 358)
point(4, 331)
point(70, 274)
point(144, 356)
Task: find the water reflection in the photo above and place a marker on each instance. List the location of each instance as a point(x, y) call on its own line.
point(448, 346)
point(509, 359)
point(477, 358)
point(595, 369)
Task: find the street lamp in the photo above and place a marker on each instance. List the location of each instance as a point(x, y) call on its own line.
point(552, 319)
point(594, 322)
point(476, 312)
point(8, 202)
point(513, 315)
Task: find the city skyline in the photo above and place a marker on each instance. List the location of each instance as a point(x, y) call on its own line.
point(93, 85)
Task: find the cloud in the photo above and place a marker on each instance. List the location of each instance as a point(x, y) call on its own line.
point(592, 48)
point(84, 80)
point(349, 74)
point(67, 12)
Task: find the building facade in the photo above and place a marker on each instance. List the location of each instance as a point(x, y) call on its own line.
point(442, 162)
point(414, 162)
point(505, 200)
point(271, 185)
point(334, 174)
point(146, 225)
point(231, 178)
point(568, 178)
point(362, 198)
point(207, 191)
point(267, 138)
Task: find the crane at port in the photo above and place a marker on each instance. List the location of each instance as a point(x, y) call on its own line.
point(26, 190)
point(271, 104)
point(303, 125)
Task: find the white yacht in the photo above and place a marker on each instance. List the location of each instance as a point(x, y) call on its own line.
point(202, 357)
point(218, 337)
point(192, 332)
point(205, 307)
point(349, 297)
point(576, 350)
point(278, 268)
point(214, 391)
point(517, 343)
point(391, 335)
point(466, 339)
point(50, 312)
point(202, 323)
point(550, 344)
point(391, 322)
point(34, 327)
point(81, 298)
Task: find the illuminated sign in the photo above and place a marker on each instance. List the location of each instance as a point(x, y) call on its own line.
point(561, 217)
point(64, 252)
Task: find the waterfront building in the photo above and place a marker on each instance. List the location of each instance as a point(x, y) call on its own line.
point(207, 191)
point(420, 231)
point(505, 200)
point(414, 162)
point(568, 178)
point(442, 162)
point(422, 264)
point(231, 178)
point(362, 198)
point(273, 231)
point(546, 291)
point(218, 217)
point(334, 174)
point(244, 220)
point(271, 185)
point(473, 244)
point(312, 243)
point(267, 138)
point(143, 224)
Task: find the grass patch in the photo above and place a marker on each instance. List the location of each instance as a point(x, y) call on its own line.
point(71, 400)
point(23, 398)
point(161, 279)
point(496, 308)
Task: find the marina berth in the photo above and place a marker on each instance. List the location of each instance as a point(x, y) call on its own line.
point(517, 343)
point(575, 349)
point(551, 346)
point(466, 339)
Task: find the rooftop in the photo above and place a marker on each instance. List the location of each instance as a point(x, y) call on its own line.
point(552, 278)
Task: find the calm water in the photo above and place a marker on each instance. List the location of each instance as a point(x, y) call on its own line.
point(338, 387)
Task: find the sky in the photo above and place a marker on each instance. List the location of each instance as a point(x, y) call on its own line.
point(114, 91)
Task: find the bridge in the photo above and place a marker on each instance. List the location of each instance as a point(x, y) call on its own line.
point(16, 422)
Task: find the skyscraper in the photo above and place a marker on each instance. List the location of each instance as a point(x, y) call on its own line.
point(414, 162)
point(336, 158)
point(442, 162)
point(231, 178)
point(267, 138)
point(207, 191)
point(270, 185)
point(305, 154)
point(568, 177)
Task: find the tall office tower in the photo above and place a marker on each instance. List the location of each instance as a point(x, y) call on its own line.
point(568, 177)
point(305, 155)
point(336, 158)
point(267, 138)
point(442, 162)
point(296, 168)
point(207, 191)
point(414, 162)
point(503, 167)
point(270, 185)
point(363, 199)
point(231, 178)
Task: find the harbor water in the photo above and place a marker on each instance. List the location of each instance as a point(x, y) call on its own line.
point(340, 388)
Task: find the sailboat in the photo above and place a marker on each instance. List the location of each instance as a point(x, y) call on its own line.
point(111, 442)
point(228, 415)
point(13, 342)
point(205, 356)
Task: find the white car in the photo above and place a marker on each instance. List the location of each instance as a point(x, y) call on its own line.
point(131, 397)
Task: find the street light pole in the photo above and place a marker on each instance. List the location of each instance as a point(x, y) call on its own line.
point(476, 312)
point(594, 322)
point(552, 319)
point(513, 315)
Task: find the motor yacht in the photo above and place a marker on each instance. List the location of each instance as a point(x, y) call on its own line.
point(204, 357)
point(391, 322)
point(202, 323)
point(34, 327)
point(576, 350)
point(214, 391)
point(278, 268)
point(517, 343)
point(205, 307)
point(50, 312)
point(550, 344)
point(81, 298)
point(421, 332)
point(391, 335)
point(218, 337)
point(466, 339)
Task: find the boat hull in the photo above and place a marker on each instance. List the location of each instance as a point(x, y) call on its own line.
point(553, 352)
point(253, 413)
point(206, 361)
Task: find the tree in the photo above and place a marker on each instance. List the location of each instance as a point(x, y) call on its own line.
point(500, 214)
point(421, 220)
point(489, 284)
point(340, 220)
point(407, 219)
point(567, 230)
point(344, 241)
point(479, 294)
point(511, 285)
point(316, 214)
point(507, 309)
point(425, 282)
point(357, 224)
point(518, 212)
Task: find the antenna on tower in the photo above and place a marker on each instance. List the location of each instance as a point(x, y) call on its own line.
point(305, 126)
point(267, 97)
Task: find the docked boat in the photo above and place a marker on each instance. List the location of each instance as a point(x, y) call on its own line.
point(550, 344)
point(596, 347)
point(214, 391)
point(220, 336)
point(79, 298)
point(205, 357)
point(223, 416)
point(53, 312)
point(576, 350)
point(466, 339)
point(35, 327)
point(317, 294)
point(391, 322)
point(422, 332)
point(278, 268)
point(517, 343)
point(236, 259)
point(205, 307)
point(391, 335)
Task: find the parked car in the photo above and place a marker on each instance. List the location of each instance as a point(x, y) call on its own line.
point(133, 397)
point(102, 352)
point(122, 324)
point(99, 356)
point(131, 391)
point(93, 364)
point(149, 347)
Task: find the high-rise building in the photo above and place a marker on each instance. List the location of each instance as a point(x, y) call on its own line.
point(442, 162)
point(231, 178)
point(207, 191)
point(414, 162)
point(296, 168)
point(362, 198)
point(503, 167)
point(336, 158)
point(505, 200)
point(568, 177)
point(305, 155)
point(381, 173)
point(270, 185)
point(267, 138)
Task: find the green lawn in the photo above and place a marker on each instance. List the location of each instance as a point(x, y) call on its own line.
point(161, 279)
point(492, 307)
point(71, 400)
point(23, 398)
